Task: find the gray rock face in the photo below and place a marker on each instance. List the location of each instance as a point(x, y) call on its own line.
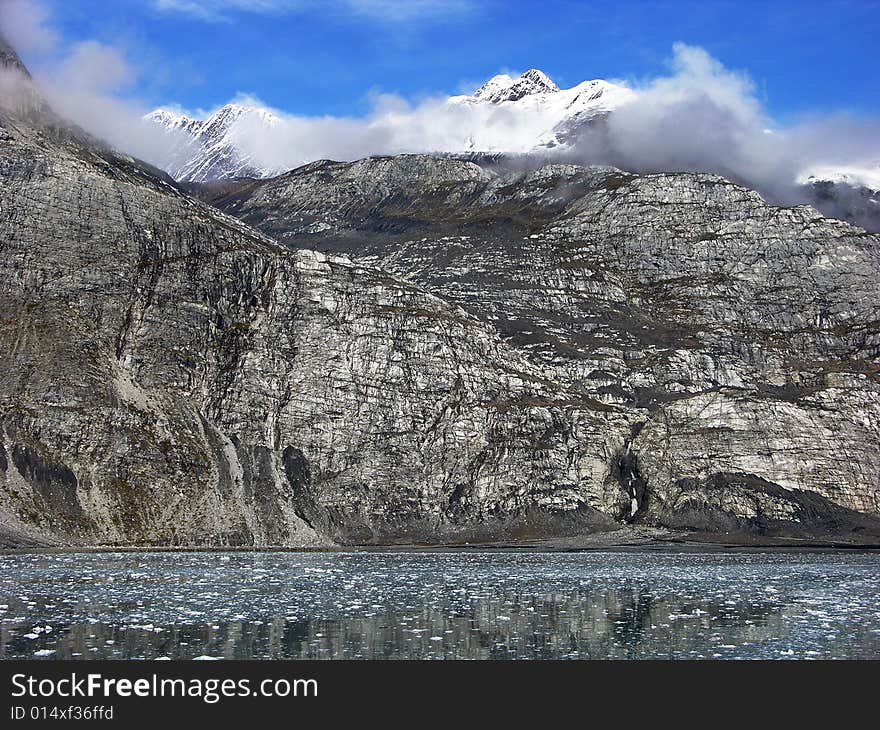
point(740, 340)
point(170, 376)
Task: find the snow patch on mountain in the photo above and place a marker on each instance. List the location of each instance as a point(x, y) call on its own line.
point(502, 87)
point(863, 176)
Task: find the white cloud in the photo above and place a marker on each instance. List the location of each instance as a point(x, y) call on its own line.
point(707, 118)
point(88, 85)
point(700, 117)
point(97, 66)
point(387, 10)
point(24, 23)
point(87, 82)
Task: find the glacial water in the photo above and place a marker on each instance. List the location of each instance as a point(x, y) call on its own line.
point(440, 605)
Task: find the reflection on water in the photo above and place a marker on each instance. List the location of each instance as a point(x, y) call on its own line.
point(462, 605)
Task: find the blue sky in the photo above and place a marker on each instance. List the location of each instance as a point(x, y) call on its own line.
point(310, 57)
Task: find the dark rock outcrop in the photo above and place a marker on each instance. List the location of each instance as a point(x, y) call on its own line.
point(855, 203)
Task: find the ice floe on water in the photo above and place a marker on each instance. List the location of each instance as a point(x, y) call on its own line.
point(437, 605)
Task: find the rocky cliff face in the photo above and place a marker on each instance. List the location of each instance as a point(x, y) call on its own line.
point(170, 376)
point(739, 340)
point(471, 356)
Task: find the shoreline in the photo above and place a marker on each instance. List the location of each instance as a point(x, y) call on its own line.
point(656, 540)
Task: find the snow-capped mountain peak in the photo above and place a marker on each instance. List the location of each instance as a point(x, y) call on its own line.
point(535, 90)
point(173, 122)
point(549, 116)
point(219, 121)
point(503, 88)
point(211, 148)
point(229, 114)
point(506, 115)
point(163, 117)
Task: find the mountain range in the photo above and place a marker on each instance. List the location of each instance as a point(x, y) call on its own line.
point(226, 144)
point(216, 148)
point(420, 349)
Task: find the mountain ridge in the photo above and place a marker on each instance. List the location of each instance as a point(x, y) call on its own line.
point(649, 292)
point(171, 376)
point(215, 148)
point(221, 146)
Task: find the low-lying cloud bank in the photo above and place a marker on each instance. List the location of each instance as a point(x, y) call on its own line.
point(701, 117)
point(707, 118)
